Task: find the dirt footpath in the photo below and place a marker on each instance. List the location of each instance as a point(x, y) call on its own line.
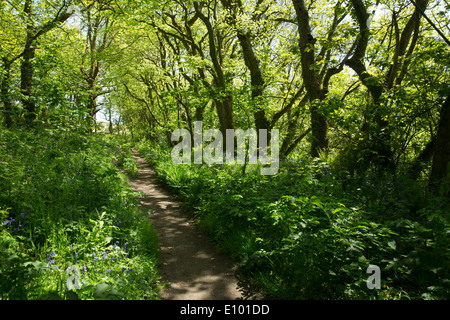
point(192, 267)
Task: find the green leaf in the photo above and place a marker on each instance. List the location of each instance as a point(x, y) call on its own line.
point(38, 265)
point(392, 244)
point(104, 291)
point(101, 291)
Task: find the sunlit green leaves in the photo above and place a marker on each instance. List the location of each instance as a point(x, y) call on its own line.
point(68, 222)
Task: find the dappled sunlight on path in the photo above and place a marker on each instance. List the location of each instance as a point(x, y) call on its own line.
point(192, 267)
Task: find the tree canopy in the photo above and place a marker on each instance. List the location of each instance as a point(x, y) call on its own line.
point(363, 81)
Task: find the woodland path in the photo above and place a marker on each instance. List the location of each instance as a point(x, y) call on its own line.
point(192, 268)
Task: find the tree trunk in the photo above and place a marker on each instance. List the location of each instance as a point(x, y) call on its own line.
point(256, 79)
point(319, 126)
point(27, 68)
point(379, 133)
point(26, 82)
point(92, 102)
point(253, 64)
point(110, 127)
point(4, 93)
point(441, 157)
point(421, 160)
point(224, 101)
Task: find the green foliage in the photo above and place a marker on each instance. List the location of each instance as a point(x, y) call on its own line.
point(311, 233)
point(70, 227)
point(307, 232)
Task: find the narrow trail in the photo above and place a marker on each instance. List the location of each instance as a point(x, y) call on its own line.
point(192, 267)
